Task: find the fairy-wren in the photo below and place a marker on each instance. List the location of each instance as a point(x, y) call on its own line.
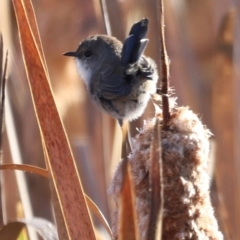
point(119, 78)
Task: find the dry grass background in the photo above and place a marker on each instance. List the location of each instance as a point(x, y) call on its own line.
point(202, 39)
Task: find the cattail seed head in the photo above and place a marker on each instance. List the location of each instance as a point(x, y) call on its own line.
point(187, 211)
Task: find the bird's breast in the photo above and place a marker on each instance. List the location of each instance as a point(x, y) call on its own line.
point(85, 72)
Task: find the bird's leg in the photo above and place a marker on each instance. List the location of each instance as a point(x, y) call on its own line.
point(126, 146)
point(129, 142)
point(159, 91)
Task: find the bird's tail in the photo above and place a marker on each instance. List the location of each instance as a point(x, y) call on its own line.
point(135, 43)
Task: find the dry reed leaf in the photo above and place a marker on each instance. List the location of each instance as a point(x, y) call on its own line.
point(127, 218)
point(223, 113)
point(26, 168)
point(11, 230)
point(156, 187)
point(44, 173)
point(44, 228)
point(1, 55)
point(127, 227)
point(61, 163)
point(3, 73)
point(93, 207)
point(30, 16)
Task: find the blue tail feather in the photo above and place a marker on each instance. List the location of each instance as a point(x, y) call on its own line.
point(135, 43)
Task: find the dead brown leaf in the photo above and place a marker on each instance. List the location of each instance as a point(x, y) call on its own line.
point(59, 156)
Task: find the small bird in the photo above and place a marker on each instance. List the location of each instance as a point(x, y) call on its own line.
point(119, 78)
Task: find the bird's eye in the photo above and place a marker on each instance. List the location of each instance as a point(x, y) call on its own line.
point(88, 54)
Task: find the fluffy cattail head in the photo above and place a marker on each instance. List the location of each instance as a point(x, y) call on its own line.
point(187, 210)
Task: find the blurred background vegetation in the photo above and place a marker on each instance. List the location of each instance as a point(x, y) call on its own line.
point(203, 44)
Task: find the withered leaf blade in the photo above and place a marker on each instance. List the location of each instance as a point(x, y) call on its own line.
point(94, 208)
point(127, 228)
point(11, 230)
point(44, 173)
point(3, 77)
point(43, 227)
point(127, 215)
point(31, 18)
point(62, 168)
point(26, 168)
point(156, 186)
point(1, 55)
point(224, 106)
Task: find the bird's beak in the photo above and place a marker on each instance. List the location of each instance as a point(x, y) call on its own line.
point(70, 54)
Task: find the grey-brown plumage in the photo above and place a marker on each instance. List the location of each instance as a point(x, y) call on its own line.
point(119, 78)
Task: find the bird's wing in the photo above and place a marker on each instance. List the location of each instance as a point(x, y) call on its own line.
point(113, 85)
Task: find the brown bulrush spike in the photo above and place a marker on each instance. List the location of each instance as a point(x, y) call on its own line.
point(187, 210)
